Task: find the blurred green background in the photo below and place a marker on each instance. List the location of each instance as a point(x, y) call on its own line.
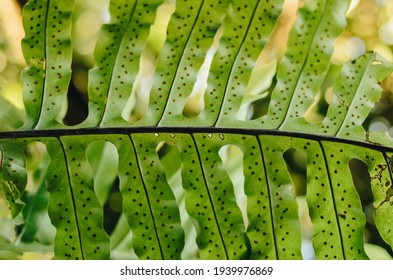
point(30, 235)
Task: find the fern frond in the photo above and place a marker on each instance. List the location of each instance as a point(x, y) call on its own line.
point(199, 74)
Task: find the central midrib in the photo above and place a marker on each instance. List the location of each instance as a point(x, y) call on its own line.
point(184, 130)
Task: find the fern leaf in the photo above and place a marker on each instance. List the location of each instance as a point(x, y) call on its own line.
point(13, 175)
point(302, 68)
point(48, 53)
point(73, 206)
point(188, 76)
point(162, 202)
point(120, 71)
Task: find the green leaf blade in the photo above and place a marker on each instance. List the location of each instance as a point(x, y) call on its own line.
point(198, 200)
point(13, 173)
point(257, 37)
point(347, 203)
point(167, 65)
point(381, 183)
point(210, 17)
point(318, 25)
point(74, 208)
point(136, 205)
point(160, 198)
point(48, 53)
point(370, 71)
point(121, 79)
point(221, 194)
point(260, 228)
point(282, 199)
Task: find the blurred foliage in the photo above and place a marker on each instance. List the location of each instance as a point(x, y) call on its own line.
point(370, 27)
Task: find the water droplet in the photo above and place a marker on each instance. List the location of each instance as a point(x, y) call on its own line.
point(222, 137)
